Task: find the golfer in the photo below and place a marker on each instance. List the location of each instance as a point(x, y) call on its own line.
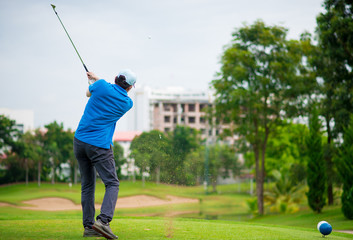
point(93, 148)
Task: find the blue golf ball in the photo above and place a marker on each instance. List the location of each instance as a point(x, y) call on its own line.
point(324, 228)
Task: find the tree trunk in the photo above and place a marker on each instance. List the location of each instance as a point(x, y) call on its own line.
point(158, 174)
point(329, 163)
point(26, 162)
point(143, 178)
point(259, 182)
point(262, 169)
point(53, 172)
point(75, 173)
point(214, 184)
point(39, 170)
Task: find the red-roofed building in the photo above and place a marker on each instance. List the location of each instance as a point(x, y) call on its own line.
point(127, 136)
point(124, 138)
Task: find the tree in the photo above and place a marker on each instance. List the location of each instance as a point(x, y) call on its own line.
point(39, 152)
point(58, 145)
point(316, 164)
point(334, 63)
point(150, 152)
point(222, 161)
point(12, 149)
point(26, 151)
point(194, 166)
point(344, 163)
point(263, 79)
point(183, 140)
point(335, 35)
point(8, 132)
point(14, 169)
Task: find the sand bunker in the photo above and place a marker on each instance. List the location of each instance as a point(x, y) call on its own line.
point(4, 204)
point(60, 204)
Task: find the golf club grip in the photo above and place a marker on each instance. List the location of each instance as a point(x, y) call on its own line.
point(85, 67)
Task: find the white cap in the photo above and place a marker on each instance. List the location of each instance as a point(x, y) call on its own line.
point(129, 75)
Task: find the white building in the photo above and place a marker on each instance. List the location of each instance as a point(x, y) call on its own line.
point(163, 109)
point(24, 118)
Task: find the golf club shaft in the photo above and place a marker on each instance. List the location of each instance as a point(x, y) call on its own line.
point(69, 38)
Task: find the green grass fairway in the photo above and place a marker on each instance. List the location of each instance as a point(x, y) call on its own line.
point(307, 218)
point(210, 205)
point(158, 228)
point(228, 207)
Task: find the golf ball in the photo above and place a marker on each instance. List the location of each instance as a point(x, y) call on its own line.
point(324, 228)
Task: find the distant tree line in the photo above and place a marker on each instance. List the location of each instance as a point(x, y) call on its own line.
point(41, 154)
point(178, 157)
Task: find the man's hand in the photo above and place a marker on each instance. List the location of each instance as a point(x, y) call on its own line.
point(92, 76)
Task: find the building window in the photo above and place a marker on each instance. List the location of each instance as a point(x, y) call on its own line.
point(166, 129)
point(182, 119)
point(202, 119)
point(202, 106)
point(166, 107)
point(175, 120)
point(20, 128)
point(175, 107)
point(191, 107)
point(166, 119)
point(203, 131)
point(191, 119)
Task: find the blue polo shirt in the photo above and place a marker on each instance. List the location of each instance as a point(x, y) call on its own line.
point(107, 104)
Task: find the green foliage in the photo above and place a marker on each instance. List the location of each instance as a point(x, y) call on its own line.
point(194, 166)
point(222, 161)
point(32, 151)
point(284, 196)
point(286, 148)
point(58, 145)
point(165, 157)
point(17, 151)
point(150, 151)
point(335, 61)
point(14, 169)
point(183, 140)
point(251, 203)
point(8, 132)
point(316, 165)
point(187, 159)
point(344, 164)
point(263, 79)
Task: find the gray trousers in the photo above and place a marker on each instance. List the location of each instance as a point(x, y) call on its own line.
point(91, 158)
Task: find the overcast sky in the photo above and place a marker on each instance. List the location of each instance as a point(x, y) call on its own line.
point(166, 42)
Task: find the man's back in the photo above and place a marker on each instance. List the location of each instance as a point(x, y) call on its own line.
point(107, 104)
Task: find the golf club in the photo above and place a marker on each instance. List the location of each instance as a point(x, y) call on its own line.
point(69, 37)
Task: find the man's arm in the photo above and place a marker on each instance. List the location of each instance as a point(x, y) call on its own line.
point(92, 78)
